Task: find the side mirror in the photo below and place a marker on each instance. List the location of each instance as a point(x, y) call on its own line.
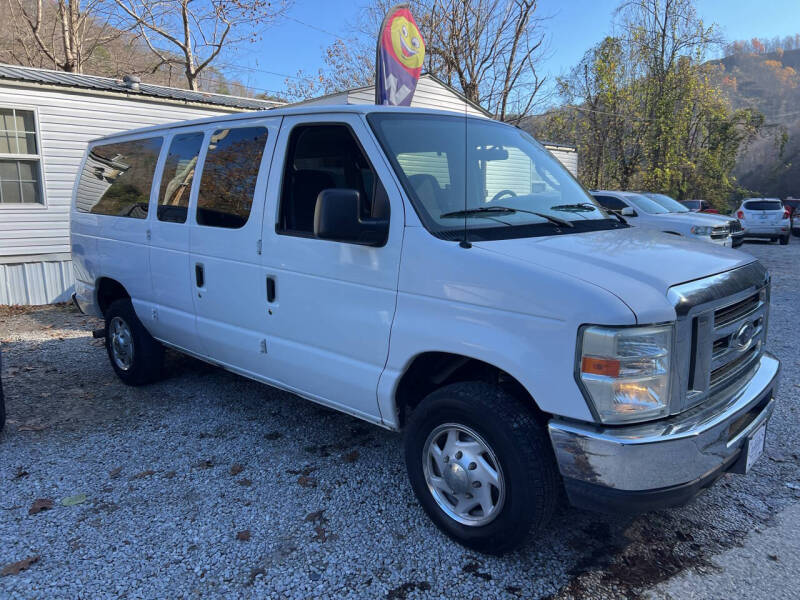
point(337, 218)
point(628, 212)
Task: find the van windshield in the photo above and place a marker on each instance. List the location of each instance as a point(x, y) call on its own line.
point(477, 179)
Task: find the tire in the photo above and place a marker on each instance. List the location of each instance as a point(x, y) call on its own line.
point(772, 240)
point(124, 332)
point(518, 445)
point(785, 240)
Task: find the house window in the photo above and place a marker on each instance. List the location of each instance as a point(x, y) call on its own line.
point(20, 172)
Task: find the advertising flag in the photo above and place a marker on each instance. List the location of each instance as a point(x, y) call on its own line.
point(401, 51)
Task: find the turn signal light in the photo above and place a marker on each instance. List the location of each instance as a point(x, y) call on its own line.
point(785, 214)
point(607, 367)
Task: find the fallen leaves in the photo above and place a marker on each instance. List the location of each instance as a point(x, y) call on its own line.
point(20, 473)
point(19, 566)
point(236, 469)
point(114, 473)
point(319, 520)
point(40, 505)
point(350, 457)
point(306, 481)
point(32, 427)
point(244, 482)
point(204, 464)
point(143, 474)
point(73, 500)
point(243, 536)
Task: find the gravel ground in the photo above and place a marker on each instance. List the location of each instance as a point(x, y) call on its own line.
point(207, 484)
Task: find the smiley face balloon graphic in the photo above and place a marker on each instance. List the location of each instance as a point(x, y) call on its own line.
point(401, 52)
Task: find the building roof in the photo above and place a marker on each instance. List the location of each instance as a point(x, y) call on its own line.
point(129, 88)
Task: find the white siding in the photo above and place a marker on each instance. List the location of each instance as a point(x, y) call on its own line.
point(566, 156)
point(41, 282)
point(67, 121)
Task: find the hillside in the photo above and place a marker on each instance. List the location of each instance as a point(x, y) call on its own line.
point(769, 82)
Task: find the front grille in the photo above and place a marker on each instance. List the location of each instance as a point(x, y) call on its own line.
point(736, 311)
point(723, 373)
point(720, 332)
point(720, 232)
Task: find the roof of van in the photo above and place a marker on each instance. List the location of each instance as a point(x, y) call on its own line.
point(291, 111)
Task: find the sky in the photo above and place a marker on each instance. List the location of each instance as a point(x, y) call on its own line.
point(298, 40)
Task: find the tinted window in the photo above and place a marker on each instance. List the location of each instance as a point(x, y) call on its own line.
point(763, 205)
point(323, 157)
point(117, 178)
point(670, 204)
point(229, 176)
point(645, 204)
point(692, 204)
point(176, 180)
point(610, 203)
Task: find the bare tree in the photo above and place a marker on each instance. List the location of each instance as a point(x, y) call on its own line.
point(490, 49)
point(193, 33)
point(61, 33)
point(487, 49)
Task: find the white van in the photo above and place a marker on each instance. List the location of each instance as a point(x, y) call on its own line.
point(523, 338)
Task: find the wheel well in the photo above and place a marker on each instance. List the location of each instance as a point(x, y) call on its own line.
point(432, 370)
point(109, 290)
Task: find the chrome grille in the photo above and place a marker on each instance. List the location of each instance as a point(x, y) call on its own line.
point(721, 231)
point(720, 332)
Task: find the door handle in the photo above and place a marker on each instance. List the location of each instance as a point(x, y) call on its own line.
point(199, 275)
point(270, 289)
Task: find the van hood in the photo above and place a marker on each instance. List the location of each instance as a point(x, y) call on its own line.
point(637, 265)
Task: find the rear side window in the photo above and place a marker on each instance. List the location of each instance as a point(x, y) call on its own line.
point(763, 205)
point(176, 181)
point(693, 204)
point(229, 177)
point(117, 178)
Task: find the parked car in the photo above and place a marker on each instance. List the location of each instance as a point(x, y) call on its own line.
point(641, 211)
point(537, 342)
point(793, 206)
point(700, 206)
point(675, 207)
point(764, 218)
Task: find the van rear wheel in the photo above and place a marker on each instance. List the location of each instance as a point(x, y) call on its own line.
point(785, 240)
point(135, 355)
point(481, 466)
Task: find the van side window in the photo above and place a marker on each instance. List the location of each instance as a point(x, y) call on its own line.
point(229, 176)
point(117, 178)
point(176, 180)
point(321, 157)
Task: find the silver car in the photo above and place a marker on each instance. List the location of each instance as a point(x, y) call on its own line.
point(764, 218)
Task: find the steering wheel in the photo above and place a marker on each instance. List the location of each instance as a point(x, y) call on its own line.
point(502, 193)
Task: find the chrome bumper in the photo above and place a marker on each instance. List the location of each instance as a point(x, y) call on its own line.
point(694, 446)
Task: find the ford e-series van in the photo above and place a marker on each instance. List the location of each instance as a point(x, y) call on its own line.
point(442, 275)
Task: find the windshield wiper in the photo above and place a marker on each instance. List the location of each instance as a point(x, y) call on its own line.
point(506, 210)
point(580, 207)
point(477, 211)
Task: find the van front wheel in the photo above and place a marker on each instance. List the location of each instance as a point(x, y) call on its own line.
point(481, 466)
point(135, 355)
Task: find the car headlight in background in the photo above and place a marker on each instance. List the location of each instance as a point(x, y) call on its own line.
point(625, 371)
point(701, 230)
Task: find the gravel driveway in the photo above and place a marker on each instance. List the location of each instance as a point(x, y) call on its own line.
point(207, 484)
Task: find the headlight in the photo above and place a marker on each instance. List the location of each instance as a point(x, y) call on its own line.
point(626, 371)
point(701, 230)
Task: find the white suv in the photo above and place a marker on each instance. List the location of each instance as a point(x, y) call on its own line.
point(641, 211)
point(765, 218)
point(441, 275)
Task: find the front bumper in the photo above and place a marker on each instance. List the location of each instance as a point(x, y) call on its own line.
point(665, 462)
